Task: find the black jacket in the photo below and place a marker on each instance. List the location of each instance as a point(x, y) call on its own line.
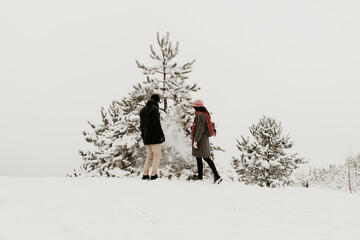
point(151, 131)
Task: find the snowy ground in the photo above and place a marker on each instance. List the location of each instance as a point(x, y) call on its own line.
point(99, 208)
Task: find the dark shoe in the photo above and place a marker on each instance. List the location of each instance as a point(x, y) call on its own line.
point(145, 177)
point(217, 180)
point(154, 177)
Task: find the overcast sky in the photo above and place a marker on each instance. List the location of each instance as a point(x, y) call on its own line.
point(61, 61)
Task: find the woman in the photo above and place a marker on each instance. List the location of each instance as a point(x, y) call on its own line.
point(201, 130)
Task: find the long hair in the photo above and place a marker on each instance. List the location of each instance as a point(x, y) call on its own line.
point(202, 109)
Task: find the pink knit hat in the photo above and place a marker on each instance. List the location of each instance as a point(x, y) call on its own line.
point(198, 103)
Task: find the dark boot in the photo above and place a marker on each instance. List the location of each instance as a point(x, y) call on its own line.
point(154, 177)
point(197, 178)
point(217, 179)
point(145, 177)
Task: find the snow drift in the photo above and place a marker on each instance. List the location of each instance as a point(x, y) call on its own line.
point(128, 208)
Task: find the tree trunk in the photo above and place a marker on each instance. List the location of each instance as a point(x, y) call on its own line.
point(164, 87)
point(349, 179)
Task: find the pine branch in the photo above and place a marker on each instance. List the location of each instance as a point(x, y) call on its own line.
point(158, 38)
point(140, 65)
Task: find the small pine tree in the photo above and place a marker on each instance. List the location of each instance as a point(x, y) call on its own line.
point(99, 140)
point(265, 162)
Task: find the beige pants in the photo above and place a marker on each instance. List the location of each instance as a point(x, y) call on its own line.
point(154, 156)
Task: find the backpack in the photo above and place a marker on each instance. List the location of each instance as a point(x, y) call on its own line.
point(207, 133)
point(213, 124)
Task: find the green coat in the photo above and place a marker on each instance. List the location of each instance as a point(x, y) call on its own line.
point(201, 136)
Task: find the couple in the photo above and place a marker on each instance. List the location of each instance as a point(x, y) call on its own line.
point(153, 136)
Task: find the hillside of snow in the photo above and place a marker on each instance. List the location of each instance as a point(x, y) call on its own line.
point(129, 208)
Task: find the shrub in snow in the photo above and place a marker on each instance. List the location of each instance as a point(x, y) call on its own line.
point(353, 172)
point(344, 177)
point(117, 140)
point(266, 161)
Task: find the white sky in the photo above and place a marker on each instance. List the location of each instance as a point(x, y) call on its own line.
point(61, 61)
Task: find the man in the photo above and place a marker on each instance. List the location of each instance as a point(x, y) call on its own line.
point(152, 135)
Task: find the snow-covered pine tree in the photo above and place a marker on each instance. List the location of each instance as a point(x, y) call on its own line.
point(266, 162)
point(99, 141)
point(118, 141)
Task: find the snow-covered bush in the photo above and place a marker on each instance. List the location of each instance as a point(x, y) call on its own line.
point(345, 177)
point(266, 161)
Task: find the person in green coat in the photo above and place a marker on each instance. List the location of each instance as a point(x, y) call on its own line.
point(201, 130)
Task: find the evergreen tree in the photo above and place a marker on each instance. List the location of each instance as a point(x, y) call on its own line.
point(117, 139)
point(99, 141)
point(266, 162)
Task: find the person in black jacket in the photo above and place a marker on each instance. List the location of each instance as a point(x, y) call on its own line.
point(152, 135)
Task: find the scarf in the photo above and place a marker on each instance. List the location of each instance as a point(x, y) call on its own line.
point(208, 122)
